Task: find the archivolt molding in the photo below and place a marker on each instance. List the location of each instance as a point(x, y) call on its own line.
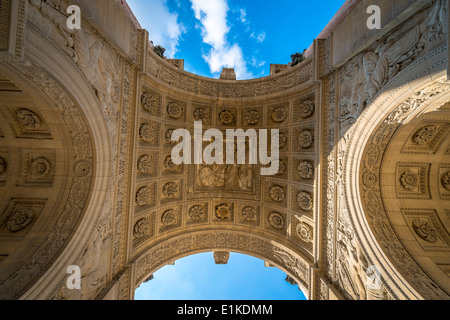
point(363, 203)
point(231, 241)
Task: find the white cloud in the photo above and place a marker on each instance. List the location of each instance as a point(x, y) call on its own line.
point(243, 16)
point(260, 37)
point(212, 15)
point(162, 25)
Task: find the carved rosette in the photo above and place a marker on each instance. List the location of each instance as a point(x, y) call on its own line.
point(306, 109)
point(201, 114)
point(279, 115)
point(305, 232)
point(40, 168)
point(227, 117)
point(282, 140)
point(143, 196)
point(223, 212)
point(305, 170)
point(196, 213)
point(150, 102)
point(249, 214)
point(305, 139)
point(277, 193)
point(169, 218)
point(145, 165)
point(252, 117)
point(29, 119)
point(425, 135)
point(141, 228)
point(168, 136)
point(169, 165)
point(409, 180)
point(170, 190)
point(446, 181)
point(305, 201)
point(281, 168)
point(175, 110)
point(20, 220)
point(425, 230)
point(146, 132)
point(3, 166)
point(276, 220)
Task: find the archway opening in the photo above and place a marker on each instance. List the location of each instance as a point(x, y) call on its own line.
point(217, 276)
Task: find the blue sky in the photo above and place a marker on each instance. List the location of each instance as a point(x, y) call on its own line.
point(199, 278)
point(247, 35)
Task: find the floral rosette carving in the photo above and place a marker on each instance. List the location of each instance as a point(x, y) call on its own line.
point(201, 114)
point(306, 109)
point(425, 230)
point(446, 181)
point(305, 170)
point(143, 196)
point(276, 220)
point(279, 115)
point(305, 139)
point(141, 228)
point(249, 214)
point(2, 166)
point(305, 201)
point(409, 180)
point(170, 190)
point(175, 110)
point(425, 135)
point(168, 136)
point(29, 119)
point(226, 117)
point(196, 213)
point(40, 168)
point(277, 194)
point(304, 232)
point(223, 211)
point(145, 165)
point(146, 132)
point(169, 218)
point(20, 220)
point(252, 117)
point(149, 102)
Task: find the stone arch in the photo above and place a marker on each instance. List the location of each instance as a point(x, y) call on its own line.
point(47, 73)
point(191, 243)
point(420, 87)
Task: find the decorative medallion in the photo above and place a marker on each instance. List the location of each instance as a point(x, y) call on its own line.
point(143, 196)
point(305, 170)
point(277, 193)
point(2, 166)
point(305, 201)
point(252, 117)
point(82, 168)
point(145, 165)
point(29, 119)
point(20, 220)
point(197, 213)
point(282, 140)
point(306, 109)
point(169, 218)
point(425, 230)
point(40, 168)
point(425, 135)
point(227, 117)
point(150, 102)
point(141, 228)
point(305, 232)
point(223, 211)
point(446, 181)
point(169, 165)
point(201, 114)
point(369, 179)
point(146, 132)
point(175, 110)
point(170, 190)
point(249, 214)
point(276, 220)
point(305, 139)
point(279, 115)
point(281, 168)
point(168, 136)
point(409, 180)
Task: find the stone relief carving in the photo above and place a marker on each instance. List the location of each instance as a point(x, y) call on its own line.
point(409, 180)
point(40, 168)
point(425, 230)
point(224, 211)
point(144, 196)
point(225, 176)
point(276, 220)
point(175, 110)
point(227, 117)
point(197, 213)
point(279, 115)
point(364, 76)
point(305, 139)
point(169, 218)
point(202, 114)
point(141, 228)
point(171, 190)
point(425, 135)
point(305, 232)
point(252, 117)
point(29, 119)
point(20, 220)
point(151, 102)
point(3, 166)
point(305, 201)
point(277, 193)
point(305, 170)
point(446, 181)
point(249, 214)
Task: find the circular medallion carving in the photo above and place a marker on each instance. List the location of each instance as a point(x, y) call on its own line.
point(82, 169)
point(29, 119)
point(305, 170)
point(201, 114)
point(175, 110)
point(281, 168)
point(282, 140)
point(369, 179)
point(306, 109)
point(40, 168)
point(446, 181)
point(143, 196)
point(305, 139)
point(277, 194)
point(149, 102)
point(146, 132)
point(196, 213)
point(425, 135)
point(170, 190)
point(145, 165)
point(226, 117)
point(169, 218)
point(168, 136)
point(276, 220)
point(305, 201)
point(279, 115)
point(20, 220)
point(409, 180)
point(249, 214)
point(252, 117)
point(2, 166)
point(140, 228)
point(223, 211)
point(304, 232)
